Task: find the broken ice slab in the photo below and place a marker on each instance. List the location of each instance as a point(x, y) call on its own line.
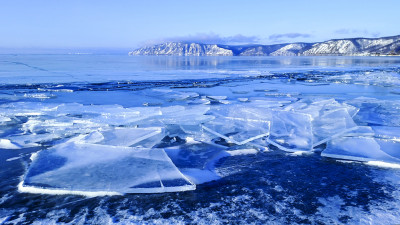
point(76, 168)
point(124, 136)
point(315, 107)
point(363, 149)
point(330, 119)
point(237, 130)
point(331, 124)
point(237, 124)
point(291, 131)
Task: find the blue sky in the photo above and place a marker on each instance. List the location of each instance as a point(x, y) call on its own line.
point(130, 23)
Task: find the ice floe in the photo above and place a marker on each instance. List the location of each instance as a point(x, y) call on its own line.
point(91, 168)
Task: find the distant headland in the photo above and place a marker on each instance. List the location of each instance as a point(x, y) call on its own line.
point(383, 46)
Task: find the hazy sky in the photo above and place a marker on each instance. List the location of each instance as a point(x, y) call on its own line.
point(129, 23)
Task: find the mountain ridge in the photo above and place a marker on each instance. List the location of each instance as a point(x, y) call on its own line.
point(348, 46)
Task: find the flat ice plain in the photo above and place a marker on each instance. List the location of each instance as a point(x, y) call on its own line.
point(117, 139)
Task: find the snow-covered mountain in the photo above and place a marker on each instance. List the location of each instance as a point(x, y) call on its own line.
point(183, 49)
point(351, 46)
point(357, 46)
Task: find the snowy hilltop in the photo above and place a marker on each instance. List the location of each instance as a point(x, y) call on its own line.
point(351, 46)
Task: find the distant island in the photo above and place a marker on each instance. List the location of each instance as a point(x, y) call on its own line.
point(384, 46)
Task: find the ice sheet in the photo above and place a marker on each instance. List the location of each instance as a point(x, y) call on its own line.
point(363, 149)
point(103, 168)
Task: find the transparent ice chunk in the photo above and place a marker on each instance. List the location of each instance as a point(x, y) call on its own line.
point(237, 124)
point(315, 107)
point(331, 124)
point(103, 168)
point(237, 130)
point(291, 131)
point(330, 119)
point(363, 149)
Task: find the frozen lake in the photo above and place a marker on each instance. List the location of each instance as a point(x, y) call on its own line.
point(207, 140)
